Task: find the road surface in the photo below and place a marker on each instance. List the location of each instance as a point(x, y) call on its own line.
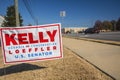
point(112, 36)
point(104, 56)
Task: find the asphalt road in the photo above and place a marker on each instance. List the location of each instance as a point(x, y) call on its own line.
point(112, 36)
point(104, 56)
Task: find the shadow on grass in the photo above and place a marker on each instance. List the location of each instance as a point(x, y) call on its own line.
point(18, 68)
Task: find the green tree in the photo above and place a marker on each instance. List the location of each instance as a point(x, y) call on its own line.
point(118, 24)
point(107, 25)
point(10, 20)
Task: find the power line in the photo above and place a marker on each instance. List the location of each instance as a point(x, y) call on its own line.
point(27, 5)
point(30, 3)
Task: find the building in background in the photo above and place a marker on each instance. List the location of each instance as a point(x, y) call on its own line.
point(73, 29)
point(1, 20)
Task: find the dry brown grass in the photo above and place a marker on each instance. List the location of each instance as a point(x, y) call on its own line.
point(71, 67)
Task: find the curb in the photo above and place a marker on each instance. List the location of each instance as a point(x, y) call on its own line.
point(96, 40)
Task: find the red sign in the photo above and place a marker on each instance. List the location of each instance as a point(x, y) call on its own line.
point(31, 43)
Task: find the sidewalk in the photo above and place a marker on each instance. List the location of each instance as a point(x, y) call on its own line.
point(104, 56)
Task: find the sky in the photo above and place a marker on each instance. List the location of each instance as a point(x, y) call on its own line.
point(79, 13)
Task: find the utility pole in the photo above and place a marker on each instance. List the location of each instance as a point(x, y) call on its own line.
point(16, 13)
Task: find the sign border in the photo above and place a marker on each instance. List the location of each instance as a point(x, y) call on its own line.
point(28, 27)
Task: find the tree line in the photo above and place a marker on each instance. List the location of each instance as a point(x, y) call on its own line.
point(108, 25)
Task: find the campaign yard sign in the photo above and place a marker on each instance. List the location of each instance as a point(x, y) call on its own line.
point(34, 43)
